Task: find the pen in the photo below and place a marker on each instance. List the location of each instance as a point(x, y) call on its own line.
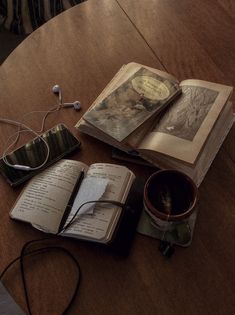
point(76, 188)
point(71, 199)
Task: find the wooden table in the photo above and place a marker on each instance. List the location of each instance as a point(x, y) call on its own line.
point(81, 50)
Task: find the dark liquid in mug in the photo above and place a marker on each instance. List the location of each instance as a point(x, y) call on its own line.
point(171, 193)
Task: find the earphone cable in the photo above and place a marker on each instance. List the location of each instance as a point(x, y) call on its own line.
point(24, 128)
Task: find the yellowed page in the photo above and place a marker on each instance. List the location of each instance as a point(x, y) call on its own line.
point(43, 201)
point(100, 225)
point(213, 143)
point(184, 128)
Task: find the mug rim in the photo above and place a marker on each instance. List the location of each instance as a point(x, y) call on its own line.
point(164, 216)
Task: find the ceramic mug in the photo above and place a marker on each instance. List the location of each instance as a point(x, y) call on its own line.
point(170, 199)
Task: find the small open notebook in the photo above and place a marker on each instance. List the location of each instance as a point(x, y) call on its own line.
point(50, 200)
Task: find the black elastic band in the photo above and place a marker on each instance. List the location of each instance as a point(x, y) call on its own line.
point(113, 202)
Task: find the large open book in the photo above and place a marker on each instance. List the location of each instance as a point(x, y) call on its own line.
point(185, 135)
point(51, 199)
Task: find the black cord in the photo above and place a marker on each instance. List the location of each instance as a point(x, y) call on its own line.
point(24, 254)
point(40, 251)
point(113, 202)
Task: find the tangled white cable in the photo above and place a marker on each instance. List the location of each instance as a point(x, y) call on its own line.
point(24, 128)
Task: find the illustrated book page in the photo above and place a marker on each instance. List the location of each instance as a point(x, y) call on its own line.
point(185, 126)
point(139, 96)
point(214, 141)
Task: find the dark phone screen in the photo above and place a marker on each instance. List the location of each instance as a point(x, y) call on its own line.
point(61, 142)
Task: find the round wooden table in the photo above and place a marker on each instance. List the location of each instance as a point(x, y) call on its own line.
point(81, 50)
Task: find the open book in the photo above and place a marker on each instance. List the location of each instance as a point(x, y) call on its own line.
point(144, 93)
point(51, 198)
point(185, 136)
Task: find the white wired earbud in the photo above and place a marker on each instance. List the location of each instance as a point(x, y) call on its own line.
point(57, 90)
point(76, 105)
point(23, 127)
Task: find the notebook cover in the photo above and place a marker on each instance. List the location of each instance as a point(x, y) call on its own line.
point(126, 229)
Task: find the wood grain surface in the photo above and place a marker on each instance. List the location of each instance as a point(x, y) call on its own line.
point(81, 50)
point(191, 39)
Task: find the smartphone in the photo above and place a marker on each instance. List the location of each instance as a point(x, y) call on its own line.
point(60, 141)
